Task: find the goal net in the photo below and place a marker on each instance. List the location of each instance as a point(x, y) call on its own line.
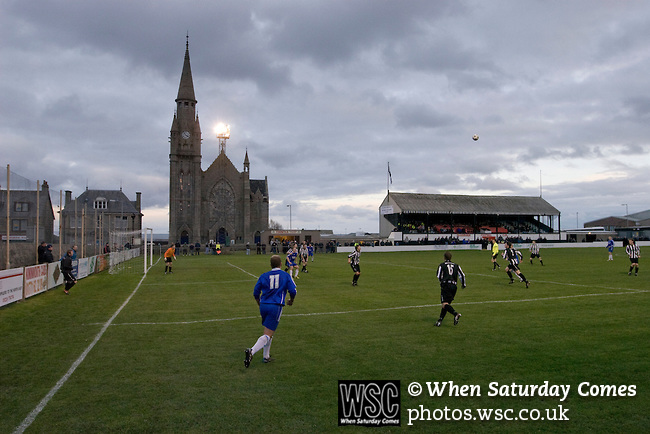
point(125, 247)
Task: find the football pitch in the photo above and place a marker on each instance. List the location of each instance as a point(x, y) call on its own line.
point(165, 353)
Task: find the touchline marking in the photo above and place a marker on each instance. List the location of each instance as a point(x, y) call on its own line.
point(380, 309)
point(41, 405)
point(194, 283)
point(242, 270)
point(198, 321)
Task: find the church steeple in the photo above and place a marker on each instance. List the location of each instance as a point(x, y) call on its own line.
point(185, 175)
point(186, 87)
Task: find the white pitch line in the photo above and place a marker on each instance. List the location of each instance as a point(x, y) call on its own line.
point(195, 283)
point(41, 405)
point(242, 270)
point(380, 309)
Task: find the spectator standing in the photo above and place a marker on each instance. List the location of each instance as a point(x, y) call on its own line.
point(49, 255)
point(42, 248)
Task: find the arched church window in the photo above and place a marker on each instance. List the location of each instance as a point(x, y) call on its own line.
point(222, 204)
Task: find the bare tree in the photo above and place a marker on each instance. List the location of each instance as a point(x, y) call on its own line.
point(274, 225)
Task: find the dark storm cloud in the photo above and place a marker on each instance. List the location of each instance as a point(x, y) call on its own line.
point(422, 116)
point(640, 107)
point(333, 32)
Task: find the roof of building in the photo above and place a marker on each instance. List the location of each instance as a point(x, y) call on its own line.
point(116, 202)
point(462, 204)
point(186, 86)
point(608, 221)
point(259, 184)
point(640, 216)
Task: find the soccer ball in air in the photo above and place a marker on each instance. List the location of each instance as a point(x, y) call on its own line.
point(475, 137)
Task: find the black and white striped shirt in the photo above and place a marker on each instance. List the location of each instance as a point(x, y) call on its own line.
point(448, 272)
point(534, 249)
point(511, 255)
point(633, 251)
point(354, 257)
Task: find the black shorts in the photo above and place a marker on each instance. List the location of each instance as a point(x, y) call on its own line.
point(513, 267)
point(495, 256)
point(634, 260)
point(169, 260)
point(447, 292)
point(534, 255)
point(356, 268)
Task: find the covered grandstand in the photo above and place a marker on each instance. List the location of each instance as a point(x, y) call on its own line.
point(427, 217)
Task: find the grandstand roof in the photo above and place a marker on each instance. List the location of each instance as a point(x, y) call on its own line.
point(460, 204)
point(640, 216)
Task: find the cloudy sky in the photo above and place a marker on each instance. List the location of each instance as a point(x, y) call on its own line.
point(324, 93)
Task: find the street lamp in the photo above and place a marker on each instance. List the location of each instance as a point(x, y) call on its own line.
point(289, 216)
point(223, 133)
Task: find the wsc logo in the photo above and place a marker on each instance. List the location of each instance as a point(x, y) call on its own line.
point(369, 402)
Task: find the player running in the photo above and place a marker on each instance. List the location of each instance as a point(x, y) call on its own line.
point(448, 275)
point(304, 254)
point(512, 256)
point(270, 293)
point(634, 253)
point(353, 260)
point(292, 261)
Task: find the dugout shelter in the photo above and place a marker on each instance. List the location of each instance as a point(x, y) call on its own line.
point(418, 216)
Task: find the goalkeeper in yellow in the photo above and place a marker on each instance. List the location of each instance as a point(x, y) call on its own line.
point(495, 253)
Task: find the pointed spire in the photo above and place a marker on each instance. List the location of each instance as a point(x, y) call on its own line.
point(246, 162)
point(186, 87)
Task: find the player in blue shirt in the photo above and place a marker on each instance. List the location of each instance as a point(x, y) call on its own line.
point(270, 293)
point(292, 261)
point(310, 250)
point(610, 248)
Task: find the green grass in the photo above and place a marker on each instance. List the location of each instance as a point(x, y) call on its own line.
point(172, 360)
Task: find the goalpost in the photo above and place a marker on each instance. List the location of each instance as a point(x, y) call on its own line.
point(148, 231)
point(128, 245)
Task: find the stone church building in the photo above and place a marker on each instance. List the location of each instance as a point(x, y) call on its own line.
point(221, 203)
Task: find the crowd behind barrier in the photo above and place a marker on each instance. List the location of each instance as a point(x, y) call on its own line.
point(21, 283)
point(405, 247)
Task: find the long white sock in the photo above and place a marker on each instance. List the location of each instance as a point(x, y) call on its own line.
point(297, 272)
point(263, 340)
point(267, 348)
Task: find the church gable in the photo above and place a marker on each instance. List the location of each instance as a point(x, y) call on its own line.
point(221, 167)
